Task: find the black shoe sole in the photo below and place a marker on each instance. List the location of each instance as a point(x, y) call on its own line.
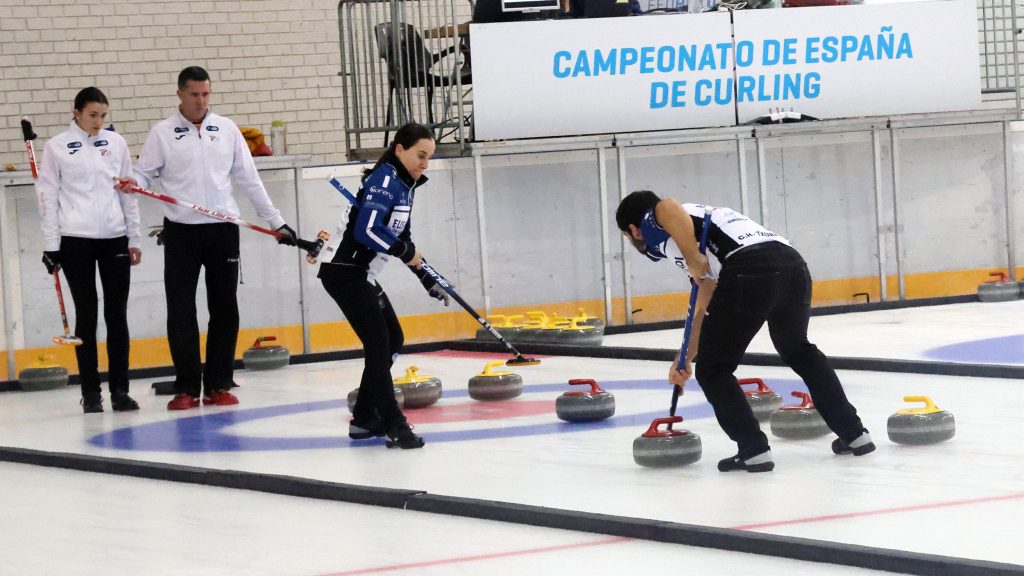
point(763, 467)
point(397, 444)
point(364, 435)
point(124, 408)
point(92, 410)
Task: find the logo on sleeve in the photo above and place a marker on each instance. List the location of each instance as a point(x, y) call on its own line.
point(382, 191)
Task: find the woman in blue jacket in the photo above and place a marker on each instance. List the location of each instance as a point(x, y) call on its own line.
point(378, 228)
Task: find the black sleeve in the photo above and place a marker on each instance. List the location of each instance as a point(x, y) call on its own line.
point(403, 249)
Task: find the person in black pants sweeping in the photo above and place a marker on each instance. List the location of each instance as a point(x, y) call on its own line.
point(87, 225)
point(749, 276)
point(377, 228)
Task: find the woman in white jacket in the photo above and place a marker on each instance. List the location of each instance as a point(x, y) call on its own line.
point(87, 224)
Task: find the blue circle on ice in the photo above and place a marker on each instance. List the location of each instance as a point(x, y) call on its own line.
point(1000, 350)
point(209, 432)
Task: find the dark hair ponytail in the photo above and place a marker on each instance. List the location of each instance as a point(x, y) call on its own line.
point(407, 136)
point(87, 95)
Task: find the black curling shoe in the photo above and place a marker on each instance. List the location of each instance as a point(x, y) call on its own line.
point(91, 403)
point(123, 403)
point(859, 446)
point(364, 430)
point(760, 463)
point(402, 436)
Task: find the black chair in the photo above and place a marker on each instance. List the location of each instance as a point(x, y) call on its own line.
point(413, 67)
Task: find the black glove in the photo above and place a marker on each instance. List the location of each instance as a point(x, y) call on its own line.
point(288, 235)
point(435, 289)
point(52, 261)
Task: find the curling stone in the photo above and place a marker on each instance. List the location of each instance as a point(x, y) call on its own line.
point(799, 421)
point(504, 325)
point(399, 397)
point(583, 319)
point(998, 290)
point(575, 334)
point(260, 357)
point(551, 333)
point(529, 330)
point(666, 448)
point(42, 376)
point(419, 391)
point(762, 401)
point(585, 405)
point(917, 426)
point(490, 386)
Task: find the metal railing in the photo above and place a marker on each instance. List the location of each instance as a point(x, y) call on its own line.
point(408, 60)
point(404, 61)
point(998, 48)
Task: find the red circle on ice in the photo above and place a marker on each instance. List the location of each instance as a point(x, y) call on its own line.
point(476, 411)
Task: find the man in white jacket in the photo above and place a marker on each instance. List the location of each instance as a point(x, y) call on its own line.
point(87, 226)
point(197, 154)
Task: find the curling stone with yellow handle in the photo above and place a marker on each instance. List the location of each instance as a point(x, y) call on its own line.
point(918, 426)
point(529, 331)
point(576, 334)
point(504, 324)
point(584, 319)
point(418, 390)
point(492, 386)
point(42, 376)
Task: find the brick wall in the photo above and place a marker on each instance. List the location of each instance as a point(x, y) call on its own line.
point(269, 60)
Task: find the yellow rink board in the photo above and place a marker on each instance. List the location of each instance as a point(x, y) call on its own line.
point(454, 323)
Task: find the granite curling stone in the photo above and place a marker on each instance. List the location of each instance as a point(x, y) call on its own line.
point(42, 376)
point(419, 390)
point(260, 357)
point(585, 405)
point(999, 290)
point(575, 334)
point(666, 448)
point(491, 386)
point(920, 426)
point(799, 421)
point(763, 401)
point(503, 325)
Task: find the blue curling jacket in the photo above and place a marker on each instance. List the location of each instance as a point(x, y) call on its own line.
point(379, 226)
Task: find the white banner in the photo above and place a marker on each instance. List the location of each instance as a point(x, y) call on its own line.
point(630, 74)
point(562, 77)
point(847, 61)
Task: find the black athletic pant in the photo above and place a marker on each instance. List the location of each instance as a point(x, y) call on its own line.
point(80, 258)
point(369, 311)
point(187, 248)
point(765, 282)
